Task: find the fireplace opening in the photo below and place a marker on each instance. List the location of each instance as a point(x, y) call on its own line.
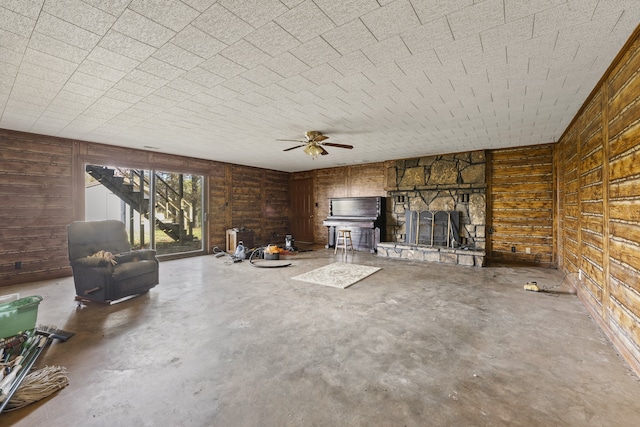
point(433, 228)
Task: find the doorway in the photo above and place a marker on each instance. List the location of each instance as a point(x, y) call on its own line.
point(302, 210)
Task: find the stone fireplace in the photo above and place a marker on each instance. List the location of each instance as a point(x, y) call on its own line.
point(437, 209)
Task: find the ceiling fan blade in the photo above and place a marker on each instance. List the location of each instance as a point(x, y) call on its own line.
point(291, 140)
point(319, 138)
point(324, 152)
point(330, 144)
point(293, 148)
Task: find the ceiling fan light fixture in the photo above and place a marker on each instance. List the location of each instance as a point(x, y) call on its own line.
point(313, 150)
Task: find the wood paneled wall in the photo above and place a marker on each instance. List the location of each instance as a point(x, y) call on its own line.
point(521, 205)
point(349, 181)
point(599, 202)
point(37, 205)
point(42, 187)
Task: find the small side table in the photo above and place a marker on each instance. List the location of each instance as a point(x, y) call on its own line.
point(235, 236)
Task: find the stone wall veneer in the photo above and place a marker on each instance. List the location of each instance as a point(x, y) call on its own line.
point(439, 183)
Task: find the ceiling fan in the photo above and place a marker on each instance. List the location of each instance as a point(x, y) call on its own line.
point(314, 144)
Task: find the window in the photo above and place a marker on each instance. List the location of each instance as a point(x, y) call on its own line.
point(161, 210)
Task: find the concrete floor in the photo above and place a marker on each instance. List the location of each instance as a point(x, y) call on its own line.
point(415, 344)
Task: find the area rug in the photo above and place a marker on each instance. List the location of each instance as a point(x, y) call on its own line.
point(339, 274)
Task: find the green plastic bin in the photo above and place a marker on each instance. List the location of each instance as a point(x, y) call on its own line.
point(18, 316)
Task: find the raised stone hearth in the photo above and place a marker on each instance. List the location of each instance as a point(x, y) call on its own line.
point(468, 257)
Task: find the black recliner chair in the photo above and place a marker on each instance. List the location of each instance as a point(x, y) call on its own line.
point(107, 279)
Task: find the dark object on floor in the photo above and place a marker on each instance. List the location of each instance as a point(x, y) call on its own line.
point(104, 267)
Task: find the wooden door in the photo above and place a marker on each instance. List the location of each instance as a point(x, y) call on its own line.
point(302, 210)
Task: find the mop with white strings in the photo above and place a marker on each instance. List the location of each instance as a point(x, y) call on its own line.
point(22, 387)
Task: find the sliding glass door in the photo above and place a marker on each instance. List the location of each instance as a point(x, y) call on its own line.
point(161, 210)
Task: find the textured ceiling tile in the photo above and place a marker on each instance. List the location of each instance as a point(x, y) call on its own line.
point(424, 38)
point(13, 41)
point(315, 52)
point(30, 9)
point(391, 20)
point(305, 21)
point(286, 65)
point(200, 5)
point(9, 57)
point(146, 79)
point(461, 48)
point(120, 95)
point(16, 23)
point(222, 24)
point(112, 59)
point(353, 83)
point(197, 41)
point(114, 106)
point(516, 9)
point(159, 101)
point(70, 102)
point(323, 73)
point(46, 74)
point(174, 15)
point(430, 10)
point(102, 71)
point(223, 67)
point(142, 29)
point(556, 18)
point(349, 37)
point(43, 91)
point(65, 32)
point(49, 62)
point(133, 88)
point(160, 69)
point(384, 72)
point(187, 86)
point(510, 33)
point(344, 11)
point(83, 90)
point(271, 38)
point(170, 93)
point(126, 46)
point(178, 56)
point(240, 84)
point(57, 48)
point(255, 12)
point(418, 64)
point(114, 7)
point(391, 49)
point(590, 34)
point(245, 54)
point(25, 108)
point(262, 76)
point(297, 84)
point(203, 77)
point(91, 81)
point(353, 63)
point(476, 18)
point(80, 14)
point(274, 91)
point(220, 93)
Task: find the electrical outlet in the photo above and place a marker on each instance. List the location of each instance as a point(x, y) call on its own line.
point(527, 250)
point(513, 248)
